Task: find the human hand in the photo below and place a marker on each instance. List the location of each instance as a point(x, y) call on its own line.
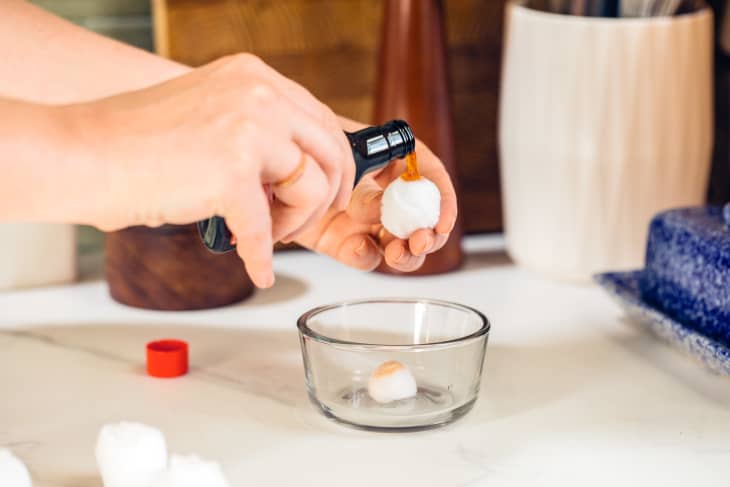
point(206, 144)
point(356, 237)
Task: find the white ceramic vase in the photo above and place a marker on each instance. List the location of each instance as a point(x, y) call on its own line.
point(36, 254)
point(603, 123)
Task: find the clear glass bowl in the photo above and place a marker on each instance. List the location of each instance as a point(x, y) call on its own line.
point(441, 343)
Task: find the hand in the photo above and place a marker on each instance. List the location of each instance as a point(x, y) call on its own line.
point(206, 144)
point(354, 236)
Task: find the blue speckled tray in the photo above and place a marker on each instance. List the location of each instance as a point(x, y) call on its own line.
point(624, 287)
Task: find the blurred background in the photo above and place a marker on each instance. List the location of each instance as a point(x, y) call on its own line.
point(330, 46)
point(593, 136)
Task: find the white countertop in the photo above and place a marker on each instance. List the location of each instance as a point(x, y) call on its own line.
point(571, 394)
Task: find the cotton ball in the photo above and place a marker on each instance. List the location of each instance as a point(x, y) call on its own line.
point(131, 455)
point(192, 471)
point(391, 381)
point(13, 472)
point(410, 205)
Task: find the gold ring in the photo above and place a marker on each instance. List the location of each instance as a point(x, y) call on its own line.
point(295, 175)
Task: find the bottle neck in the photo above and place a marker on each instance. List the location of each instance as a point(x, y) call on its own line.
point(375, 147)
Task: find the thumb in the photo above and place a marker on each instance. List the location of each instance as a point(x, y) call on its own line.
point(364, 206)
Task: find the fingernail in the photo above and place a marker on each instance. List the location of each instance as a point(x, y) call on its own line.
point(362, 249)
point(428, 244)
point(401, 255)
point(451, 228)
point(266, 281)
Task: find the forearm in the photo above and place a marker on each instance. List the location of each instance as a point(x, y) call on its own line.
point(44, 175)
point(46, 59)
point(49, 60)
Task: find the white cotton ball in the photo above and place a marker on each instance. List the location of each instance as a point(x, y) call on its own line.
point(391, 381)
point(192, 471)
point(13, 472)
point(410, 205)
point(131, 455)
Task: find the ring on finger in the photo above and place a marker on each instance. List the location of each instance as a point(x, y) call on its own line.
point(295, 175)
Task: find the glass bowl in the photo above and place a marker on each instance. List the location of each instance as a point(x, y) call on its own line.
point(442, 344)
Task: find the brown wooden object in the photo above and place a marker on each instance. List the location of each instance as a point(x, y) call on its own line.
point(168, 268)
point(413, 85)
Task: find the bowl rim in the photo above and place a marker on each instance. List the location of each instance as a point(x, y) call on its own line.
point(305, 330)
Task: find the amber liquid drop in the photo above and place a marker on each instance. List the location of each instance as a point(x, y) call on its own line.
point(411, 172)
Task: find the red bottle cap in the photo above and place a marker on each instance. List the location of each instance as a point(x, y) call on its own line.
point(167, 358)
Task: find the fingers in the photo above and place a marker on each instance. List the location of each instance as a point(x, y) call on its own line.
point(366, 199)
point(279, 157)
point(251, 224)
point(422, 242)
point(307, 224)
point(366, 202)
point(299, 185)
point(304, 99)
point(447, 219)
point(359, 251)
point(298, 203)
point(324, 116)
point(397, 253)
point(398, 256)
point(316, 140)
point(345, 240)
point(432, 168)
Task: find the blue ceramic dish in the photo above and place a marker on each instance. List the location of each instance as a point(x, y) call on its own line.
point(687, 272)
point(625, 288)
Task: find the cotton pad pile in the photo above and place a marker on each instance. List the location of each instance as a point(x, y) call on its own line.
point(135, 455)
point(130, 455)
point(13, 472)
point(410, 205)
point(192, 471)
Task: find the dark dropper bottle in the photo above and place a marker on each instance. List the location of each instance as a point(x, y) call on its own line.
point(372, 149)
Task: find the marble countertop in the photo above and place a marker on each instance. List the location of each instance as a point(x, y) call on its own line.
point(571, 395)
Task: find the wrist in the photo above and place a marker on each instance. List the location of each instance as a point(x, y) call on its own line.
point(44, 174)
point(80, 138)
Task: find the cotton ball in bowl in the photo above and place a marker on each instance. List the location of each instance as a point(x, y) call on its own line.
point(391, 381)
point(13, 472)
point(410, 205)
point(193, 471)
point(131, 455)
